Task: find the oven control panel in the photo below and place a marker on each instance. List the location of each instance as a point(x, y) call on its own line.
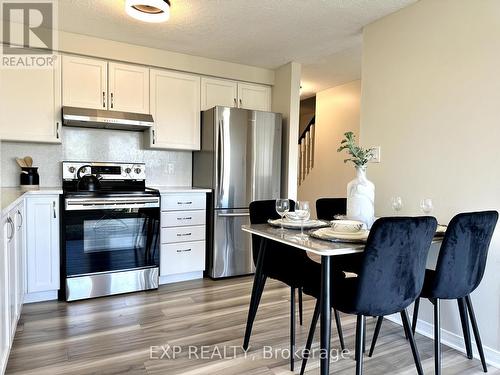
point(107, 171)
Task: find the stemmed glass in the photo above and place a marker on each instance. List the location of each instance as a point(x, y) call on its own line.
point(282, 207)
point(303, 213)
point(396, 203)
point(426, 205)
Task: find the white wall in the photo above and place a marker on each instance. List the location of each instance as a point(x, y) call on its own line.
point(286, 100)
point(337, 112)
point(94, 145)
point(431, 100)
point(112, 50)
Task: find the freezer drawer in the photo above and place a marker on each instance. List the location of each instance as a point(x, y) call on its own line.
point(182, 258)
point(183, 234)
point(231, 254)
point(182, 218)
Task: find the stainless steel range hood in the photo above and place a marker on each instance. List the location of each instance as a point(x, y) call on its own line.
point(98, 118)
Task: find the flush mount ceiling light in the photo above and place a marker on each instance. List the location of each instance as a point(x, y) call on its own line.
point(148, 10)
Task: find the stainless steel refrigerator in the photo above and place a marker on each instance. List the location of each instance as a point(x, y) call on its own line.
point(240, 160)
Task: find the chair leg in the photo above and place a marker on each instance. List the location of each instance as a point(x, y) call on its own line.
point(437, 337)
point(464, 319)
point(310, 336)
point(301, 314)
point(415, 316)
point(364, 336)
point(259, 283)
point(411, 338)
point(360, 327)
point(292, 329)
point(339, 329)
point(475, 329)
point(375, 335)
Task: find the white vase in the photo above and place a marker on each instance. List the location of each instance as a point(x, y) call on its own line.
point(361, 198)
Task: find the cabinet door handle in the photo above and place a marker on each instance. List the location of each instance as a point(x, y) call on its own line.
point(181, 203)
point(154, 137)
point(103, 99)
point(54, 209)
point(20, 218)
point(57, 129)
point(112, 100)
point(241, 102)
point(12, 229)
point(235, 102)
point(185, 218)
point(183, 250)
point(184, 234)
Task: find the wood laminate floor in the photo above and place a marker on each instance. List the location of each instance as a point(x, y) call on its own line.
point(124, 335)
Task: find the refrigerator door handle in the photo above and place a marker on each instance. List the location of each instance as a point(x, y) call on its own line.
point(234, 214)
point(220, 158)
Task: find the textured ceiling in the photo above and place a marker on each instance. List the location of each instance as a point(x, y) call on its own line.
point(323, 35)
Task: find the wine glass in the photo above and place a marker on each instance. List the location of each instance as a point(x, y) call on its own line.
point(282, 207)
point(426, 205)
point(396, 203)
point(303, 213)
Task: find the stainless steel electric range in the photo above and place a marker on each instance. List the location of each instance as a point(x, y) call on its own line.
point(110, 230)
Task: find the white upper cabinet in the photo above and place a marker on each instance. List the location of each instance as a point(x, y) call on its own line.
point(84, 82)
point(30, 104)
point(175, 106)
point(128, 88)
point(252, 96)
point(218, 92)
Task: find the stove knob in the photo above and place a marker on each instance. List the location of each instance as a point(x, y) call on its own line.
point(84, 170)
point(71, 169)
point(138, 171)
point(128, 170)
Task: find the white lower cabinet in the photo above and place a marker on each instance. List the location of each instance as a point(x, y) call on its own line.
point(12, 274)
point(183, 231)
point(42, 246)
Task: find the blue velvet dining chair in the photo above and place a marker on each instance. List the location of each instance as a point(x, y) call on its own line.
point(390, 278)
point(459, 271)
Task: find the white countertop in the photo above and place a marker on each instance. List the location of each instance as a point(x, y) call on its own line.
point(179, 189)
point(10, 197)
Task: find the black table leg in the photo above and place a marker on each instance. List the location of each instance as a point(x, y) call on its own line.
point(258, 286)
point(326, 323)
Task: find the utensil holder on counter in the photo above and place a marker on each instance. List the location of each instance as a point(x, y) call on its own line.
point(30, 179)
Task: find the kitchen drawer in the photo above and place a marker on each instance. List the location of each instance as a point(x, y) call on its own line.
point(182, 218)
point(183, 234)
point(182, 258)
point(182, 202)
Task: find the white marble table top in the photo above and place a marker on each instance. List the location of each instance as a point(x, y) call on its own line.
point(311, 245)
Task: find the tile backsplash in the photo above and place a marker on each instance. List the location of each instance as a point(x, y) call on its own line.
point(81, 144)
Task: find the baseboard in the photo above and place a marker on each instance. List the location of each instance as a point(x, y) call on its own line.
point(452, 340)
point(40, 296)
point(181, 277)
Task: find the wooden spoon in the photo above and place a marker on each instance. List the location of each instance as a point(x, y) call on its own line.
point(29, 161)
point(21, 162)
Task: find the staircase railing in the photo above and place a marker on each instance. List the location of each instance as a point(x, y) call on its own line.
point(306, 150)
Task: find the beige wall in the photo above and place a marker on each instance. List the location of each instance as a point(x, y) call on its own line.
point(111, 50)
point(286, 100)
point(431, 100)
point(337, 112)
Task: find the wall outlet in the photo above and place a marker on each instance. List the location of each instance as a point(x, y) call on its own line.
point(376, 154)
point(170, 168)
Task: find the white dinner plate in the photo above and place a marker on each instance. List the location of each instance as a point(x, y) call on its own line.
point(292, 224)
point(329, 234)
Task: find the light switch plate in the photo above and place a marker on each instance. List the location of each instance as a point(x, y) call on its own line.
point(376, 154)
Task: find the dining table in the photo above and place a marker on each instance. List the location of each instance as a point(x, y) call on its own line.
point(327, 251)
